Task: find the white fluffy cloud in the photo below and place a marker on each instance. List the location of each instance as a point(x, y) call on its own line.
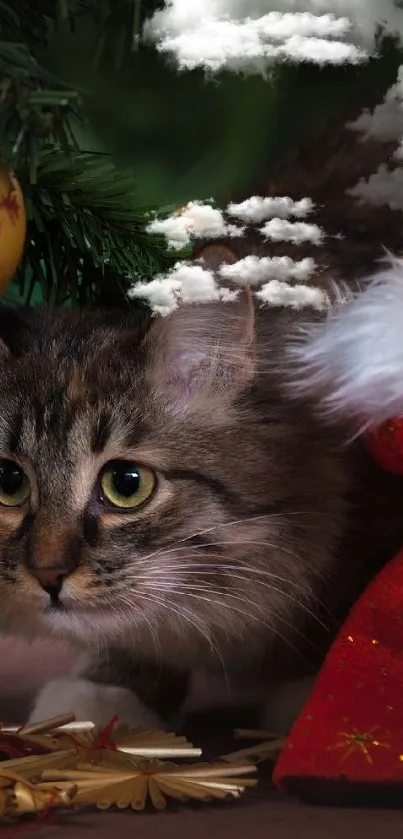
point(191, 283)
point(277, 280)
point(242, 36)
point(383, 187)
point(186, 283)
point(195, 220)
point(199, 220)
point(254, 270)
point(277, 293)
point(385, 122)
point(257, 209)
point(280, 230)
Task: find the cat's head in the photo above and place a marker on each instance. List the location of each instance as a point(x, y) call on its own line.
point(156, 481)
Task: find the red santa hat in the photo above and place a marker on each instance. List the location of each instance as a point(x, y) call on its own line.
point(347, 744)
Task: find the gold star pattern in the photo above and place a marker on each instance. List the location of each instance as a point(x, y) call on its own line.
point(353, 741)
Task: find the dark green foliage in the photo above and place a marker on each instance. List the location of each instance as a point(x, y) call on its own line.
point(97, 127)
point(86, 236)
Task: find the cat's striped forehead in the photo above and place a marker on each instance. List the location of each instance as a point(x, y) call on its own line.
point(64, 414)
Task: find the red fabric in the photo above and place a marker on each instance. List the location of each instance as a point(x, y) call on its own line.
point(385, 443)
point(351, 729)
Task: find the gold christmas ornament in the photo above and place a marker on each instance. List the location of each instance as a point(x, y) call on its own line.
point(64, 763)
point(13, 226)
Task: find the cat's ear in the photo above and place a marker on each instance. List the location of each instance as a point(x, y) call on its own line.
point(212, 256)
point(202, 355)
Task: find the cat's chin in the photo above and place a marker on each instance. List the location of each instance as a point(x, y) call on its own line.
point(83, 620)
point(79, 615)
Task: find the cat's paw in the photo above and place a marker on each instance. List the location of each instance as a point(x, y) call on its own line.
point(285, 704)
point(97, 703)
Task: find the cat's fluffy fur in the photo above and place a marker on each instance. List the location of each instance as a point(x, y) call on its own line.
point(238, 565)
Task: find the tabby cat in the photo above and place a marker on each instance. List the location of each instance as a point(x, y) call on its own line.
point(171, 508)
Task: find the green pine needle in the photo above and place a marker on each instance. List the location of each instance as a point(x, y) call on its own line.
point(84, 214)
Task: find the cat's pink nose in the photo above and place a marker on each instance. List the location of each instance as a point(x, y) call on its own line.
point(51, 579)
point(50, 558)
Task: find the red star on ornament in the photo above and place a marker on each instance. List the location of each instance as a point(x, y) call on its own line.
point(10, 204)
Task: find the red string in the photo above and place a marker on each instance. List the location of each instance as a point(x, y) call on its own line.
point(42, 819)
point(103, 741)
point(12, 751)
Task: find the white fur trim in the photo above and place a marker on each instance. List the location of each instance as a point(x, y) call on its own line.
point(354, 361)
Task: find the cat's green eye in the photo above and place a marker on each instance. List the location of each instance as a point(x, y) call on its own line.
point(126, 485)
point(14, 484)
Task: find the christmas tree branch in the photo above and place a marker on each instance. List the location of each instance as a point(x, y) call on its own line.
point(34, 111)
point(86, 224)
point(83, 214)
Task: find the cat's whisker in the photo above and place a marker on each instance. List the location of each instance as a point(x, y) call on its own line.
point(221, 544)
point(265, 544)
point(203, 629)
point(264, 623)
point(234, 569)
point(177, 584)
point(194, 620)
point(245, 578)
point(192, 591)
point(153, 633)
point(246, 520)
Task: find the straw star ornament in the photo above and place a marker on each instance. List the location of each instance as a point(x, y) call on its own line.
point(62, 763)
